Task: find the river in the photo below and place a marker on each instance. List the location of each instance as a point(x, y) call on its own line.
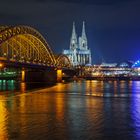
point(82, 110)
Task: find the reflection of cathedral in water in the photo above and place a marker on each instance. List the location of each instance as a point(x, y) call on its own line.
point(79, 54)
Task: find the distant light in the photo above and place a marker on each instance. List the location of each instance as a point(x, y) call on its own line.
point(136, 64)
point(1, 65)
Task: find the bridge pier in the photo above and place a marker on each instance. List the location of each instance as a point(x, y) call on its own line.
point(59, 75)
point(23, 75)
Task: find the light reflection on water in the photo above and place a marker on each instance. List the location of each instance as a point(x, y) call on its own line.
point(3, 121)
point(76, 110)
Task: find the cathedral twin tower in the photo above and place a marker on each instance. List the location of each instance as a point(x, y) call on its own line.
point(79, 53)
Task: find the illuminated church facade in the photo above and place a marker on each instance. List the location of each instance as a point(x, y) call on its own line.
point(78, 52)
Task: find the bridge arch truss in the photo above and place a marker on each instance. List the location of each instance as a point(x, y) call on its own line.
point(26, 45)
point(63, 61)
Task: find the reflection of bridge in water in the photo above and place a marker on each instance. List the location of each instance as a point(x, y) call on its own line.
point(24, 52)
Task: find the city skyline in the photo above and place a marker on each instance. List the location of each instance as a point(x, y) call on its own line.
point(112, 26)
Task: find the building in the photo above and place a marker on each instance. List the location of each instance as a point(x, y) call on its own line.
point(109, 65)
point(79, 53)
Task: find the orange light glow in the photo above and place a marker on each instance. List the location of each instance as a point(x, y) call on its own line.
point(3, 121)
point(1, 65)
point(59, 75)
point(23, 75)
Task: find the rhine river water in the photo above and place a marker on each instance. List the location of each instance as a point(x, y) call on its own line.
point(82, 110)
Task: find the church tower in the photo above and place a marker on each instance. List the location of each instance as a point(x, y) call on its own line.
point(79, 53)
point(73, 41)
point(83, 39)
point(73, 46)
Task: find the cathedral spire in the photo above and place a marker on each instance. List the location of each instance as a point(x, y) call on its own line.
point(74, 36)
point(83, 30)
point(83, 39)
point(73, 42)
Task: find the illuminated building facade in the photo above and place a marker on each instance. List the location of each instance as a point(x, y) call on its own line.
point(79, 53)
point(108, 65)
point(113, 69)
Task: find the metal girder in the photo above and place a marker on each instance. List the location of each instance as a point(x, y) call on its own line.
point(63, 61)
point(23, 43)
point(20, 30)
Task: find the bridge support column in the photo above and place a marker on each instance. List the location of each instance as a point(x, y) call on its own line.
point(59, 75)
point(23, 75)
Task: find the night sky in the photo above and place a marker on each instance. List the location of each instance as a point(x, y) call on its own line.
point(112, 26)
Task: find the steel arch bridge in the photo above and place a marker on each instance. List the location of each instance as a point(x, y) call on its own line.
point(63, 61)
point(24, 44)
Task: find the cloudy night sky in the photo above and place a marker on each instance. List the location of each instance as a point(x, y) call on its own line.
point(112, 26)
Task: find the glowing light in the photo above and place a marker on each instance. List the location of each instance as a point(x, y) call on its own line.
point(23, 75)
point(23, 87)
point(136, 64)
point(3, 122)
point(59, 75)
point(1, 65)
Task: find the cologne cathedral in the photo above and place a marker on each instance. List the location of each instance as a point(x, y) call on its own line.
point(79, 53)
